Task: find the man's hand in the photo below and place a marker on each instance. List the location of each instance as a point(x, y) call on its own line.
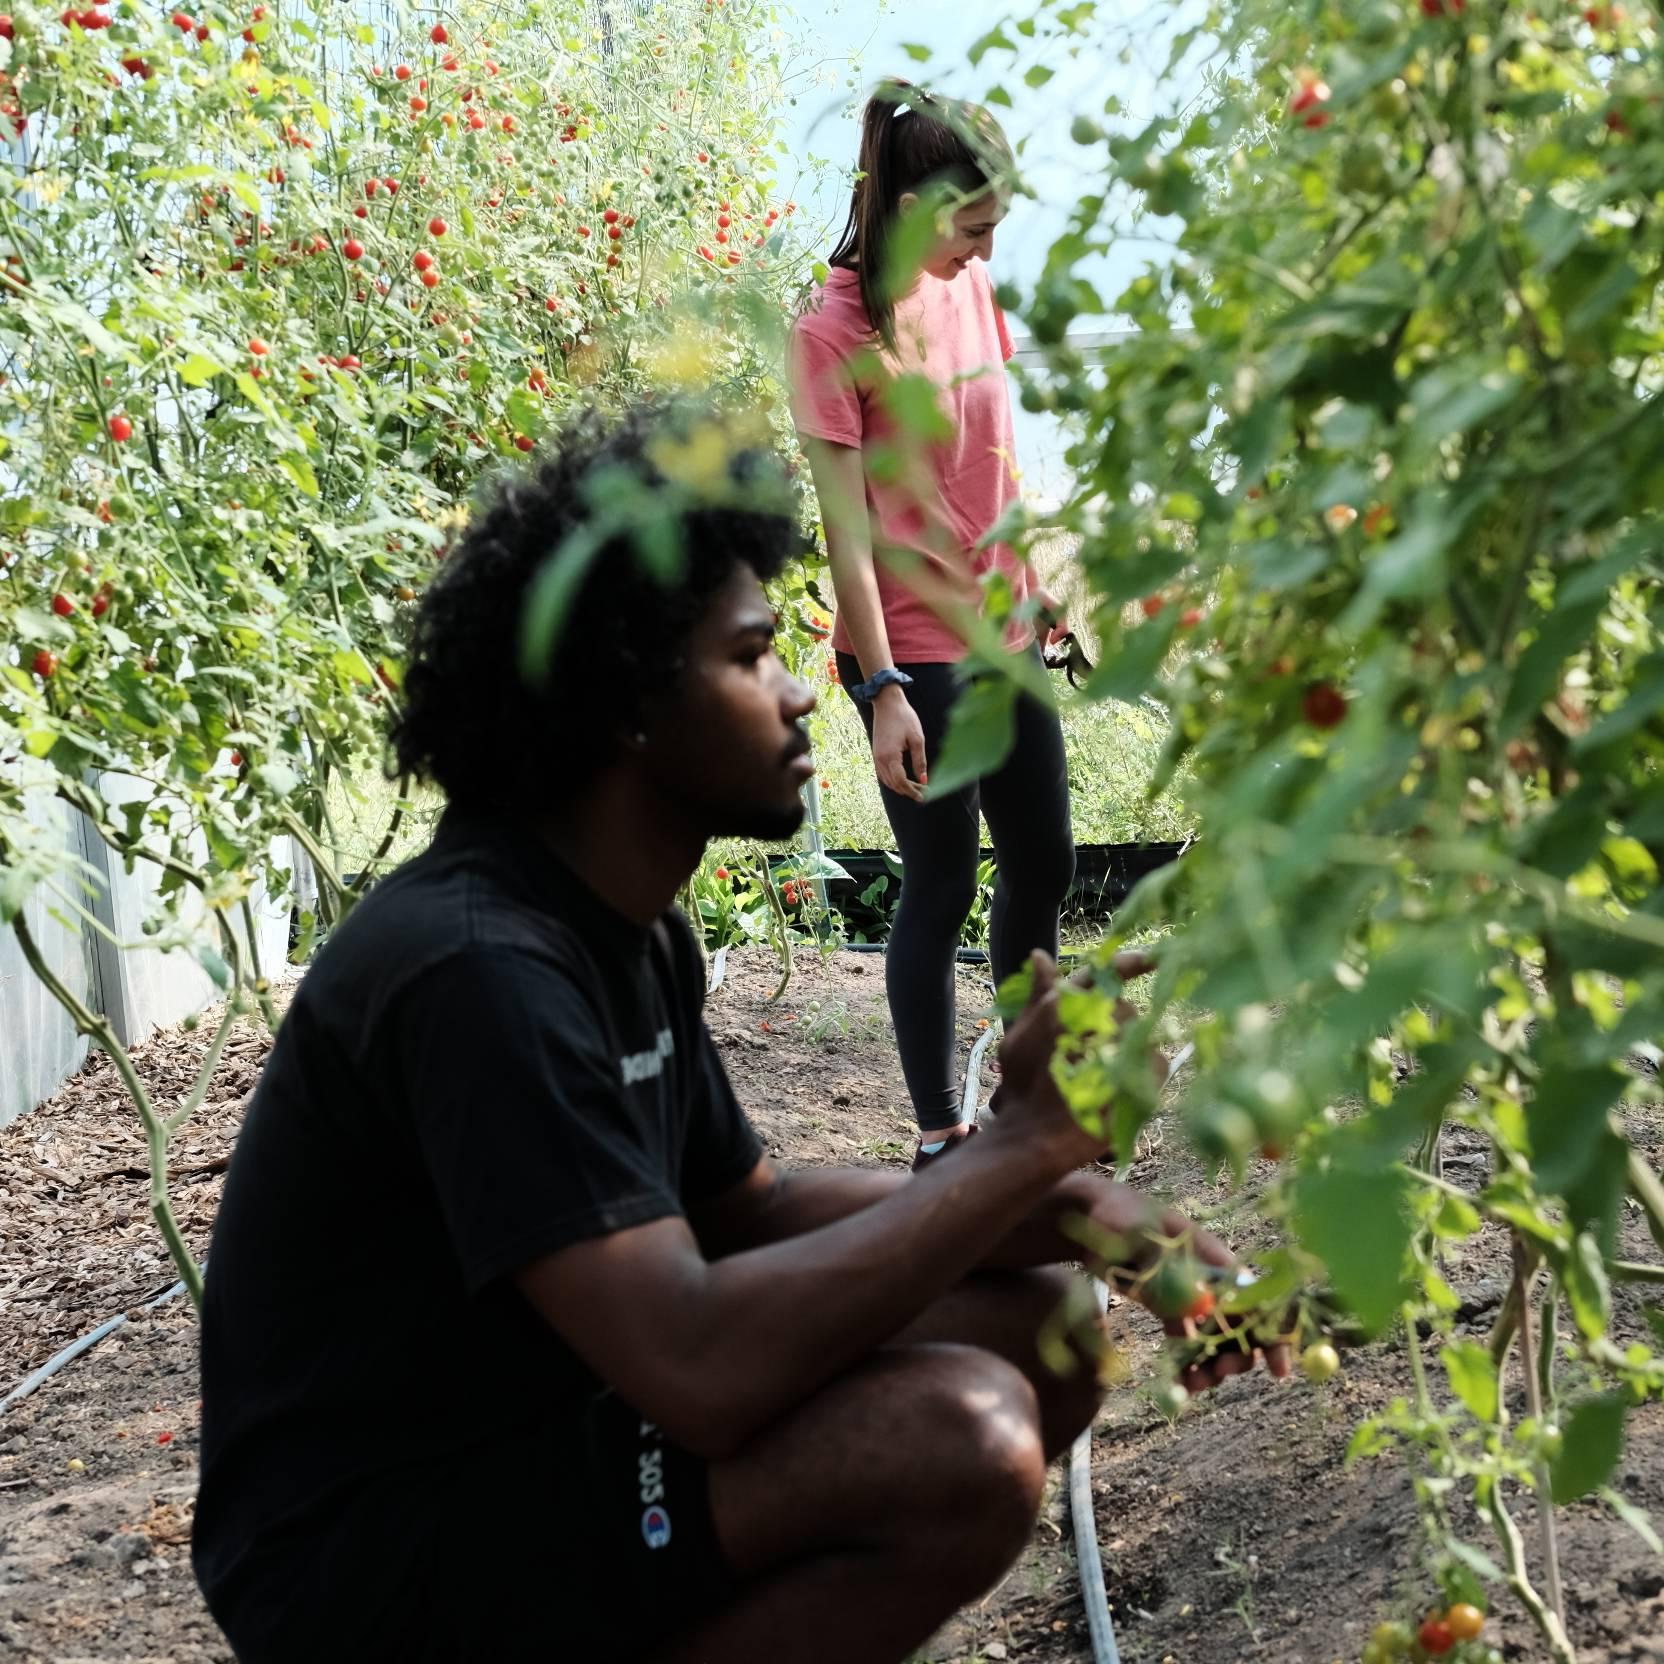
point(1027, 1100)
point(1030, 1043)
point(1132, 1242)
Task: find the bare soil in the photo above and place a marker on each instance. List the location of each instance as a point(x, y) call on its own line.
point(1236, 1533)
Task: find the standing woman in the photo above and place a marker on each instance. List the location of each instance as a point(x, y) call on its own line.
point(903, 515)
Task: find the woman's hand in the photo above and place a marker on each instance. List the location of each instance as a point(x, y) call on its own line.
point(897, 740)
point(1050, 626)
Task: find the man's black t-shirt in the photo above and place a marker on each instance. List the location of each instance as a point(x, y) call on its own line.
point(485, 1065)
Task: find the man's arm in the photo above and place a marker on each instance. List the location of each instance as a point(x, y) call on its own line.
point(712, 1351)
point(769, 1206)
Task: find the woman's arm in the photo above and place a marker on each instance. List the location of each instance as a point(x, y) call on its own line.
point(897, 737)
point(842, 489)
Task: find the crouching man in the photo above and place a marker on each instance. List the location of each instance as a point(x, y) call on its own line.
point(515, 1344)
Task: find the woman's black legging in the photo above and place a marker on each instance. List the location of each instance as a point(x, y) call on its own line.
point(1026, 803)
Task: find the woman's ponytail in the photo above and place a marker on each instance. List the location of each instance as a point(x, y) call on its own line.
point(910, 139)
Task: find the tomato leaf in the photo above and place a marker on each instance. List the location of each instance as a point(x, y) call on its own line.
point(1473, 1377)
point(979, 737)
point(1358, 1224)
point(199, 369)
point(299, 469)
point(1588, 1293)
point(277, 777)
point(219, 973)
point(1635, 1518)
point(1475, 1560)
point(1592, 1440)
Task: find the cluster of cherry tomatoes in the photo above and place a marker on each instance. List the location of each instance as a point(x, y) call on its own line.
point(1453, 1632)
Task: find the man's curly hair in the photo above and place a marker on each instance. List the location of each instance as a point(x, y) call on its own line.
point(648, 512)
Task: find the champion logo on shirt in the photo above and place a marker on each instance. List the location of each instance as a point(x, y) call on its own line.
point(655, 1528)
point(640, 1066)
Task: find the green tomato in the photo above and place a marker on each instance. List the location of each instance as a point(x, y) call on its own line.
point(1320, 1362)
point(1391, 1641)
point(1174, 1289)
point(1391, 103)
point(1171, 1400)
point(1378, 25)
point(1171, 192)
point(1363, 170)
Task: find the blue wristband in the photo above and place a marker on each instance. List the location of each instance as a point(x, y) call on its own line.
point(888, 677)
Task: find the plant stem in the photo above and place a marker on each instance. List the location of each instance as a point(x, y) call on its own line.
point(1548, 1624)
point(1632, 1271)
point(1547, 1343)
point(320, 864)
point(98, 1030)
point(1506, 1325)
point(262, 988)
point(204, 1074)
point(782, 923)
point(386, 844)
point(1647, 1189)
point(1524, 1270)
point(1431, 1502)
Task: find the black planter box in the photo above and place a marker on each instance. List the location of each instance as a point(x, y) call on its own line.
point(1104, 876)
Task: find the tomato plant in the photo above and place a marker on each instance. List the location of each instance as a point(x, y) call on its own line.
point(277, 284)
point(1391, 403)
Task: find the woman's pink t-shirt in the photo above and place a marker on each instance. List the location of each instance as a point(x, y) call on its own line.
point(953, 334)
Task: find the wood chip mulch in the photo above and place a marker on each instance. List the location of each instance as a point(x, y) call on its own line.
point(78, 1243)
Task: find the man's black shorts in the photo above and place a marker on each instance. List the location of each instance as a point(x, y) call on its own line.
point(592, 1542)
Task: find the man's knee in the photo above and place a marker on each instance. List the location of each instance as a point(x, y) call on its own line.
point(983, 1418)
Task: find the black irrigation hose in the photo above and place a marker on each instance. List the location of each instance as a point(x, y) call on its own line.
point(965, 956)
point(1089, 1561)
point(1089, 1564)
point(85, 1344)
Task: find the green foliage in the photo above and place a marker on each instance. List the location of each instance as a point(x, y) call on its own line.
point(1391, 407)
point(271, 306)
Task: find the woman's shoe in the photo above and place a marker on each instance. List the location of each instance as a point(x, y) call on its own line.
point(923, 1157)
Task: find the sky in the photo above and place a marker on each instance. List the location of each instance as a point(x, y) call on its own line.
point(861, 40)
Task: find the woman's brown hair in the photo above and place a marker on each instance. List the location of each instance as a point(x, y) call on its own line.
point(912, 141)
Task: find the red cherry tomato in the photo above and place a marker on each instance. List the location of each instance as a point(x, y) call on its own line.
point(1201, 1306)
point(1436, 1637)
point(1324, 705)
